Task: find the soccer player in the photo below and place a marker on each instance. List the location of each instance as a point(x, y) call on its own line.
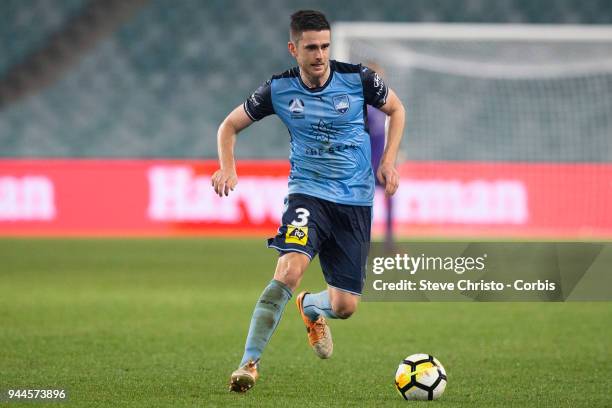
point(331, 184)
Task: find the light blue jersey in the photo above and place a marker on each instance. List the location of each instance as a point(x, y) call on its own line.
point(330, 146)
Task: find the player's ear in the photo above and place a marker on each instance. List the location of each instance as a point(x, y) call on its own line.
point(292, 49)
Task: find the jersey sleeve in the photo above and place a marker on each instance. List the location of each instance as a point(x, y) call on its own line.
point(259, 104)
point(375, 91)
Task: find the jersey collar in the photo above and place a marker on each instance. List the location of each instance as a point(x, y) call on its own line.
point(319, 88)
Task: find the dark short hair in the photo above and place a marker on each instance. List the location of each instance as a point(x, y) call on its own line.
point(307, 20)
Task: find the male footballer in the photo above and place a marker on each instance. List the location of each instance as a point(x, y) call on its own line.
point(328, 209)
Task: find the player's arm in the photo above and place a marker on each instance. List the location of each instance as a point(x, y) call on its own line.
point(387, 173)
point(377, 94)
point(256, 107)
point(225, 179)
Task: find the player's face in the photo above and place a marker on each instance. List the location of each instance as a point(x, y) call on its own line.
point(312, 53)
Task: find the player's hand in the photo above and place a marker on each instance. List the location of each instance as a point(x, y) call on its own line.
point(388, 176)
point(223, 181)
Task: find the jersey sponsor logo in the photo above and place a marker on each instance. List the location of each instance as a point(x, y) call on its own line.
point(333, 149)
point(341, 103)
point(254, 101)
point(296, 107)
point(377, 80)
point(379, 84)
point(296, 235)
point(323, 131)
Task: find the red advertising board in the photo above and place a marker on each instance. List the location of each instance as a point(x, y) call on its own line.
point(172, 197)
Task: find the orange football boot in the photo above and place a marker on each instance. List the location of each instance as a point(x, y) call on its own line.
point(319, 334)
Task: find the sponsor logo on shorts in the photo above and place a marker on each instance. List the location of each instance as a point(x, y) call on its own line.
point(296, 235)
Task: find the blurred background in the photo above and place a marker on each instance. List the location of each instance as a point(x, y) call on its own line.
point(507, 135)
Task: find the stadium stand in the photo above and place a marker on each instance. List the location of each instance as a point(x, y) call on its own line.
point(159, 84)
point(24, 26)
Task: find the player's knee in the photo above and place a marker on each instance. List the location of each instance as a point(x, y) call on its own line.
point(344, 310)
point(289, 270)
point(343, 304)
point(288, 274)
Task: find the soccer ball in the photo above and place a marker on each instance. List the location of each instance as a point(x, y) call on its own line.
point(420, 377)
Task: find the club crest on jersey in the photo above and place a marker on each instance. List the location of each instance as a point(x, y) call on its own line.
point(296, 107)
point(341, 103)
point(296, 235)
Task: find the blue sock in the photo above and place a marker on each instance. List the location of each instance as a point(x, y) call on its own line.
point(316, 304)
point(267, 314)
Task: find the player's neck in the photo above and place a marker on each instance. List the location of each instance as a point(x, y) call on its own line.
point(315, 82)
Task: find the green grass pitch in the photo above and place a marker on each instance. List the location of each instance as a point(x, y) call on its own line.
point(158, 322)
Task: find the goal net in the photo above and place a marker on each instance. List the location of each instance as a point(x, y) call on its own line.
point(517, 96)
point(494, 92)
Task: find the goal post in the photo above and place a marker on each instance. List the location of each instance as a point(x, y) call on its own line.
point(346, 31)
point(348, 35)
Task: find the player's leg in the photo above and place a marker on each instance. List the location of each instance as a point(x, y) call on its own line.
point(317, 304)
point(271, 304)
point(296, 242)
point(290, 268)
point(319, 334)
point(343, 303)
point(266, 316)
point(305, 227)
point(332, 303)
point(343, 257)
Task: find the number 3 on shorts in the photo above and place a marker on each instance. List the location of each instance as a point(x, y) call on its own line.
point(302, 217)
